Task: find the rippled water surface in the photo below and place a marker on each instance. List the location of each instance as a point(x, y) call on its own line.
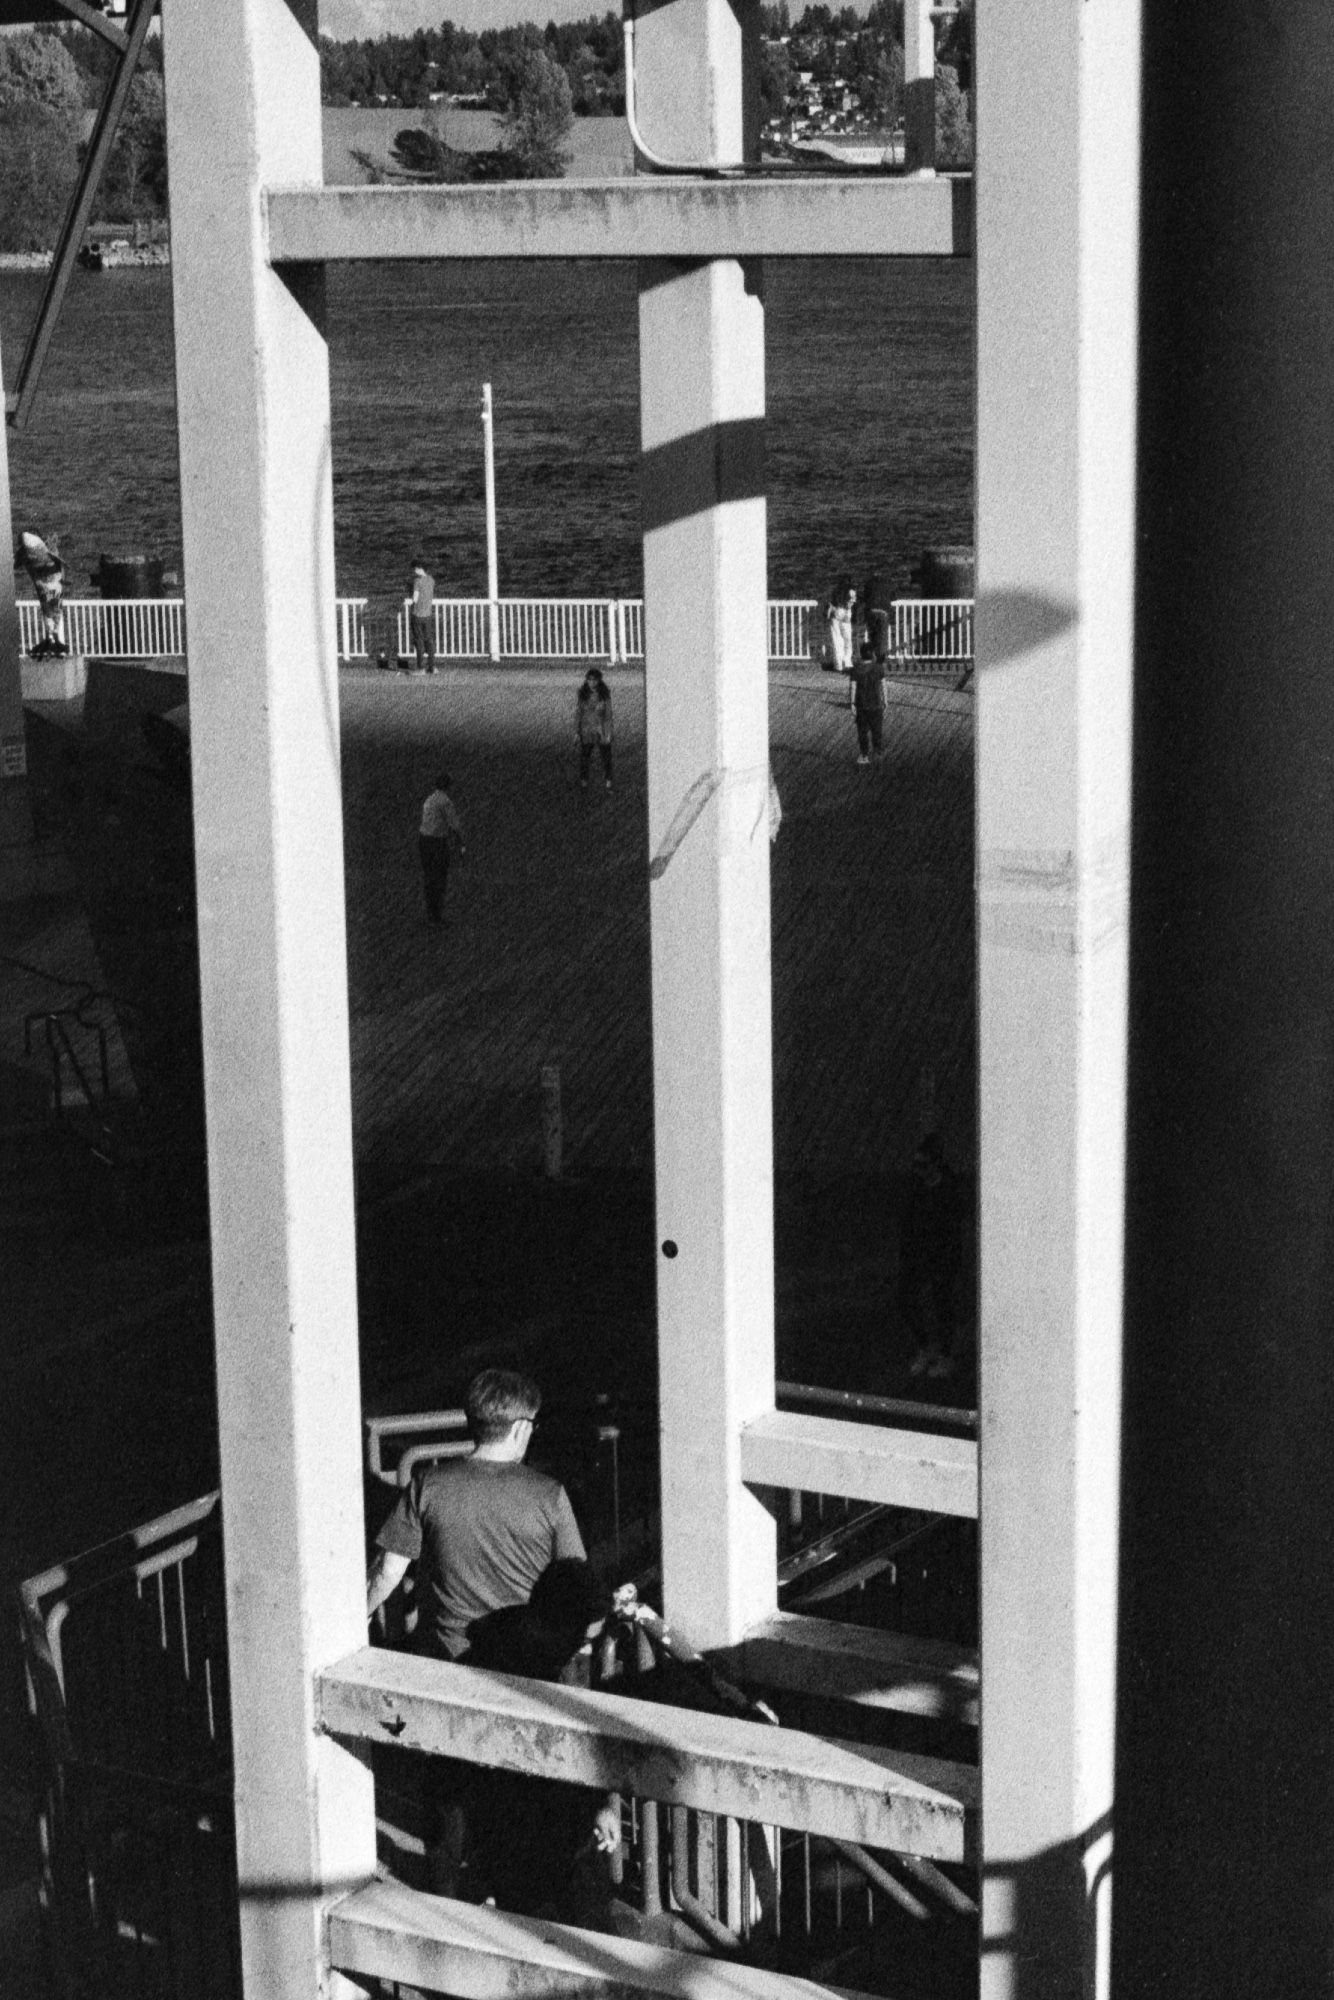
point(869, 438)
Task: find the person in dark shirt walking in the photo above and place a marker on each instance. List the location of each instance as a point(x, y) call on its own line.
point(439, 837)
point(592, 725)
point(868, 705)
point(481, 1531)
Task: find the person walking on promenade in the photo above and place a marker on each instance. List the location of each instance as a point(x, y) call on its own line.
point(868, 705)
point(592, 725)
point(876, 607)
point(421, 616)
point(439, 836)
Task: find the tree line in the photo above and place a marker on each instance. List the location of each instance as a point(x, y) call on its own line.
point(50, 80)
point(538, 80)
point(412, 71)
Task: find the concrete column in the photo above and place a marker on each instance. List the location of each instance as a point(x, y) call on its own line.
point(243, 109)
point(919, 86)
point(702, 402)
point(1226, 1757)
point(15, 815)
point(1056, 266)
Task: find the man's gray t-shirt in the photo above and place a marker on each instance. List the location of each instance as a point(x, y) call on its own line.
point(481, 1531)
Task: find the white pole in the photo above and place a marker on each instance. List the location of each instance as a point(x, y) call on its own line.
point(492, 560)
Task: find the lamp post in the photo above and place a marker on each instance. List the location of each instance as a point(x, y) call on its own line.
point(492, 560)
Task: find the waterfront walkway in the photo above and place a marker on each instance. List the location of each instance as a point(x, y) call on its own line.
point(544, 958)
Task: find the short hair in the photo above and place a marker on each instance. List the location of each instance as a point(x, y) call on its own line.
point(497, 1398)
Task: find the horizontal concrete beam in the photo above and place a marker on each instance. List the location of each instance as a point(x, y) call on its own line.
point(624, 218)
point(881, 1670)
point(781, 1777)
point(918, 1469)
point(386, 1931)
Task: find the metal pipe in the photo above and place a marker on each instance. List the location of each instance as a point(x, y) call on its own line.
point(650, 1858)
point(78, 212)
point(931, 1877)
point(492, 557)
point(875, 1406)
point(711, 1928)
point(880, 1878)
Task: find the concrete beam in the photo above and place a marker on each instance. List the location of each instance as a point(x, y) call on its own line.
point(15, 816)
point(893, 1671)
point(388, 1932)
point(919, 86)
point(252, 391)
point(625, 218)
point(918, 1469)
point(706, 692)
point(1058, 197)
point(778, 1777)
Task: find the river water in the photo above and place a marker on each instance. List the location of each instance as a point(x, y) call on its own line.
point(870, 435)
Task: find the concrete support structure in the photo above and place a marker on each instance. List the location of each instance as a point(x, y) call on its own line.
point(701, 329)
point(715, 1763)
point(1226, 1758)
point(670, 218)
point(252, 394)
point(919, 86)
point(1056, 262)
point(13, 753)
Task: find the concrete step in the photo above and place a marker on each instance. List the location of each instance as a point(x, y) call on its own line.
point(386, 1931)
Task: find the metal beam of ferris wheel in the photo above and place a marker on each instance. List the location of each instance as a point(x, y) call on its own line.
point(128, 42)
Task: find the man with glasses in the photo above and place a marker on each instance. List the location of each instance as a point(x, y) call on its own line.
point(480, 1529)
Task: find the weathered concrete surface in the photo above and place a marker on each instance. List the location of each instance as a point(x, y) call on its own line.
point(778, 1777)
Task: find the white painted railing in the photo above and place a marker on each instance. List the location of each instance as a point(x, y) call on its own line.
point(928, 635)
point(113, 628)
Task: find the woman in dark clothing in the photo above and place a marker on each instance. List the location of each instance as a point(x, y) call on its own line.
point(592, 725)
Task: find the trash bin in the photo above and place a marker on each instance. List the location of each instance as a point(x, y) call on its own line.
point(130, 576)
point(944, 572)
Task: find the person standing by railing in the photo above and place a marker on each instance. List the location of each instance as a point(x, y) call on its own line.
point(838, 617)
point(876, 606)
point(421, 617)
point(592, 725)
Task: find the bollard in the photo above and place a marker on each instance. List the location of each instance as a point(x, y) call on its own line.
point(552, 1123)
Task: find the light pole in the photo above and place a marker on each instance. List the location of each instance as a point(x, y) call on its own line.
point(492, 560)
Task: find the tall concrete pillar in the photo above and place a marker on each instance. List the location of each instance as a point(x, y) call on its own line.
point(701, 329)
point(1056, 270)
point(15, 814)
point(243, 110)
point(1226, 1767)
point(919, 86)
